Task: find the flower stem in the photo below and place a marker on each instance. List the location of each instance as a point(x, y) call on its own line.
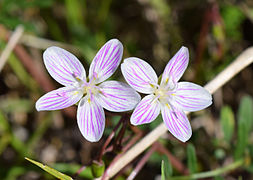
point(108, 140)
point(212, 173)
point(121, 133)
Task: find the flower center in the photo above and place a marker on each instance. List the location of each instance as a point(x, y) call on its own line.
point(161, 94)
point(90, 89)
point(165, 91)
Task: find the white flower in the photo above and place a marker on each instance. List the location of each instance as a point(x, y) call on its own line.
point(66, 69)
point(169, 96)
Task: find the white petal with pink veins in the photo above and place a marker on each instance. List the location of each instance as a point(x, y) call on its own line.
point(176, 66)
point(117, 96)
point(146, 111)
point(177, 122)
point(59, 99)
point(139, 75)
point(90, 119)
point(191, 97)
point(106, 61)
point(63, 66)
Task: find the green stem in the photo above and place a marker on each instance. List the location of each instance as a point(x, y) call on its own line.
point(213, 173)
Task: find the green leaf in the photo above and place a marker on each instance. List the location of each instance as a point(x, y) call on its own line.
point(75, 10)
point(233, 18)
point(9, 137)
point(21, 73)
point(167, 167)
point(245, 121)
point(50, 170)
point(11, 105)
point(191, 158)
point(241, 140)
point(245, 113)
point(227, 122)
point(163, 171)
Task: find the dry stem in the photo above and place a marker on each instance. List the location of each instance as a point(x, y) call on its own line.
point(10, 46)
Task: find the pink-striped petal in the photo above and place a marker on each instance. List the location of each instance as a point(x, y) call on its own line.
point(177, 122)
point(146, 111)
point(176, 66)
point(117, 96)
point(63, 66)
point(58, 99)
point(106, 61)
point(139, 75)
point(90, 119)
point(191, 97)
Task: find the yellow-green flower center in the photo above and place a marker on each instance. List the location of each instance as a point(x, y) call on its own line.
point(90, 89)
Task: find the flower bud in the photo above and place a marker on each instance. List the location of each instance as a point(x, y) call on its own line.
point(97, 168)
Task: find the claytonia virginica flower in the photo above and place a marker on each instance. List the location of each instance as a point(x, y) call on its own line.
point(169, 96)
point(94, 94)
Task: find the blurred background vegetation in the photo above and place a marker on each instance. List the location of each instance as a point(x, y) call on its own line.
point(215, 32)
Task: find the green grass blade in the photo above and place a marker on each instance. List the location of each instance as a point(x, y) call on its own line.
point(245, 113)
point(191, 158)
point(245, 121)
point(162, 171)
point(227, 123)
point(50, 170)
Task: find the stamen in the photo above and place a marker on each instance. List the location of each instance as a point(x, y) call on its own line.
point(170, 84)
point(153, 85)
point(167, 79)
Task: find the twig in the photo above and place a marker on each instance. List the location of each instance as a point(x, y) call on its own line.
point(242, 61)
point(13, 41)
point(142, 162)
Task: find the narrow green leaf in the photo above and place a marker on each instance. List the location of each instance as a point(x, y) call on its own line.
point(245, 113)
point(21, 73)
point(4, 125)
point(167, 167)
point(14, 172)
point(75, 12)
point(50, 170)
point(162, 171)
point(227, 122)
point(9, 137)
point(242, 140)
point(11, 105)
point(245, 122)
point(191, 158)
point(42, 126)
